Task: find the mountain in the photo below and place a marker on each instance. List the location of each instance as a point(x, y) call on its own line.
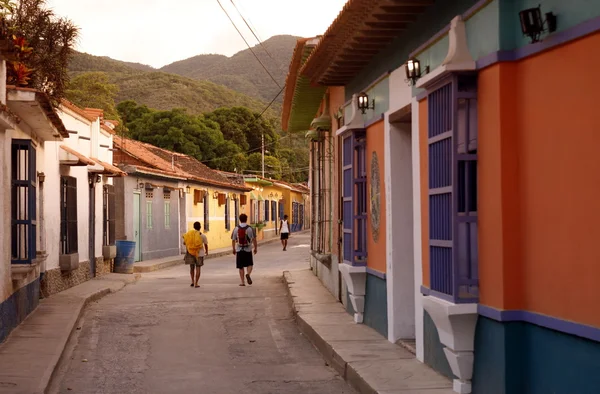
point(242, 72)
point(164, 91)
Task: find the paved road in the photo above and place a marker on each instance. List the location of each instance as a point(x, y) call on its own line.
point(162, 336)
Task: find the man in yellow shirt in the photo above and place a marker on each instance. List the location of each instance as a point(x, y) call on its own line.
point(196, 246)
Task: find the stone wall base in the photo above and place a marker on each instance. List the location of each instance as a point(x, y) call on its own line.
point(104, 266)
point(55, 280)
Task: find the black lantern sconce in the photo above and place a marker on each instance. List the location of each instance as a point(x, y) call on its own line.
point(532, 24)
point(187, 189)
point(363, 103)
point(414, 72)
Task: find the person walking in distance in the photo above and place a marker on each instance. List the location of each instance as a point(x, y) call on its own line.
point(284, 231)
point(243, 242)
point(196, 246)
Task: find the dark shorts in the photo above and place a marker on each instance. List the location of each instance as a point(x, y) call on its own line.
point(285, 236)
point(243, 260)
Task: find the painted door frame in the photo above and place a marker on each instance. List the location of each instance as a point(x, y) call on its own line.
point(137, 233)
point(92, 224)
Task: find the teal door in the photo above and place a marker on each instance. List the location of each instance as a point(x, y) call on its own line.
point(137, 236)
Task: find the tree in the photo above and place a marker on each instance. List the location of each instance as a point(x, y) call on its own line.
point(51, 40)
point(245, 128)
point(272, 165)
point(93, 90)
point(130, 111)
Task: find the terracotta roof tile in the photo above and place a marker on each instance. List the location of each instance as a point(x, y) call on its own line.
point(110, 168)
point(79, 111)
point(173, 162)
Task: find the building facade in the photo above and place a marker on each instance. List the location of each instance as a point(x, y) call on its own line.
point(463, 208)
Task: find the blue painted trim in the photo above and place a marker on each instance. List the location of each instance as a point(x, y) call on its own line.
point(553, 323)
point(552, 41)
point(373, 120)
point(426, 291)
point(379, 274)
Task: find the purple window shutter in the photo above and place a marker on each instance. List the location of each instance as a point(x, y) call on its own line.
point(347, 208)
point(453, 189)
point(440, 189)
point(466, 275)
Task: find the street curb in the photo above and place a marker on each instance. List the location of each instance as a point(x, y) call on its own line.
point(179, 259)
point(50, 371)
point(329, 354)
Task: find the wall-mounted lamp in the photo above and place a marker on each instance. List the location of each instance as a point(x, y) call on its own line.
point(414, 72)
point(363, 103)
point(41, 177)
point(532, 24)
point(216, 194)
point(234, 196)
point(94, 178)
point(188, 189)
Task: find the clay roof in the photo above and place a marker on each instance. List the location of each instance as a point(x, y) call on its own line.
point(107, 129)
point(302, 99)
point(176, 164)
point(361, 30)
point(110, 168)
point(95, 112)
point(113, 122)
point(79, 111)
point(194, 167)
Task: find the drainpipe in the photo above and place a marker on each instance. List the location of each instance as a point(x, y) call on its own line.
point(41, 179)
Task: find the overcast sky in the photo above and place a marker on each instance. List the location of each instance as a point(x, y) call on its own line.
point(160, 32)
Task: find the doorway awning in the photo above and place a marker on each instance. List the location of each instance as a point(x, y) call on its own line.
point(108, 169)
point(70, 157)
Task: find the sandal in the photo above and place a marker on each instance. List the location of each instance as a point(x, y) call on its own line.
point(242, 284)
point(197, 286)
point(192, 285)
point(249, 279)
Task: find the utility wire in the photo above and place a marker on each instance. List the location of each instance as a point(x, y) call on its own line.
point(248, 151)
point(248, 45)
point(271, 103)
point(252, 31)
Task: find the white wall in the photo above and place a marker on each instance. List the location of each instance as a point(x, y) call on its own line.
point(416, 157)
point(399, 205)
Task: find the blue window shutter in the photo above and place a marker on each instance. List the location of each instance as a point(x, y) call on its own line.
point(267, 210)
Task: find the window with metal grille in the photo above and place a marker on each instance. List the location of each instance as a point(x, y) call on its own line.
point(237, 212)
point(267, 210)
point(149, 223)
point(452, 140)
point(167, 214)
point(206, 216)
point(68, 214)
point(109, 215)
point(227, 222)
point(23, 202)
point(274, 211)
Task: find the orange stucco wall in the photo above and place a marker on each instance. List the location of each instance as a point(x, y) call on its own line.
point(539, 177)
point(377, 250)
point(424, 169)
point(336, 100)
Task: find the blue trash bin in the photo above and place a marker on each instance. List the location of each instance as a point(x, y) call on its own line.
point(125, 257)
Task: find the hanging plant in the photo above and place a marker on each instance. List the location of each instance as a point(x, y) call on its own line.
point(19, 74)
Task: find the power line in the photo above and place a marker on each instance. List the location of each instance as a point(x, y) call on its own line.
point(252, 31)
point(271, 103)
point(248, 151)
point(248, 45)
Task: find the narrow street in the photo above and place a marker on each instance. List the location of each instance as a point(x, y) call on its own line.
point(162, 336)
